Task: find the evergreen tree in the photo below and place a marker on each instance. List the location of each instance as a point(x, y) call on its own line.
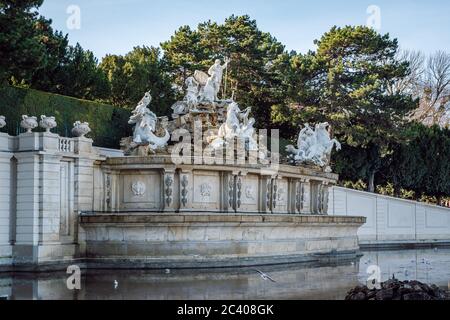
point(28, 44)
point(81, 77)
point(139, 71)
point(250, 77)
point(347, 79)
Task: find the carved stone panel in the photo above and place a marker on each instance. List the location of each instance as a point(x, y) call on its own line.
point(250, 193)
point(141, 191)
point(280, 196)
point(206, 190)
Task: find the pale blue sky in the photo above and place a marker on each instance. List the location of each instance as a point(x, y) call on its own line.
point(116, 26)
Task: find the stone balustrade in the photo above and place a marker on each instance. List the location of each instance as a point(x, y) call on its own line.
point(66, 145)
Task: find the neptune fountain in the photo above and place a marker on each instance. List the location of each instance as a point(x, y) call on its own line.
point(202, 189)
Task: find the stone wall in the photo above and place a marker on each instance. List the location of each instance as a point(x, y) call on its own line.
point(214, 240)
point(45, 180)
point(6, 194)
point(155, 184)
point(392, 221)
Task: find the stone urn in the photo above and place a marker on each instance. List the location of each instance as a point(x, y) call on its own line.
point(47, 123)
point(80, 129)
point(29, 123)
point(2, 122)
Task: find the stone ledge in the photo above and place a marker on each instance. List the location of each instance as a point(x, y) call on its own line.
point(139, 218)
point(159, 161)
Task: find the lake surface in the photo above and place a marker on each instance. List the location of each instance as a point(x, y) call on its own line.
point(328, 280)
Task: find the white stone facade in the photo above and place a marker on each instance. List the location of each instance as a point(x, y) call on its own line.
point(45, 180)
point(48, 182)
point(63, 200)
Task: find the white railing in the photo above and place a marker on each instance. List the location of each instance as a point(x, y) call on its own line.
point(65, 145)
point(391, 220)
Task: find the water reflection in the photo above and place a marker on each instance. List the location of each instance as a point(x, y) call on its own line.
point(330, 280)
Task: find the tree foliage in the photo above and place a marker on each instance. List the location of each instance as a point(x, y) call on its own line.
point(138, 71)
point(77, 75)
point(27, 41)
point(356, 79)
point(348, 78)
point(250, 79)
point(420, 164)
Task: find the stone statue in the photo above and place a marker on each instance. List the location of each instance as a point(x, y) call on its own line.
point(29, 123)
point(145, 122)
point(2, 122)
point(208, 92)
point(80, 129)
point(216, 73)
point(237, 125)
point(313, 146)
point(47, 123)
point(190, 100)
point(192, 92)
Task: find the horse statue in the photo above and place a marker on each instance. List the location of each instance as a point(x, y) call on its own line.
point(313, 146)
point(324, 139)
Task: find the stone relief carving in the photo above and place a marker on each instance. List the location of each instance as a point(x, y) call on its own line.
point(29, 123)
point(298, 196)
point(108, 191)
point(230, 190)
point(321, 199)
point(47, 123)
point(2, 122)
point(205, 190)
point(184, 190)
point(275, 194)
point(138, 188)
point(268, 193)
point(239, 192)
point(313, 146)
point(249, 193)
point(281, 195)
point(168, 190)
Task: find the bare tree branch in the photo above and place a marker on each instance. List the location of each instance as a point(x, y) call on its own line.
point(434, 91)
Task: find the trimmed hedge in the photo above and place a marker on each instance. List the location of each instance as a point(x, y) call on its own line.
point(108, 123)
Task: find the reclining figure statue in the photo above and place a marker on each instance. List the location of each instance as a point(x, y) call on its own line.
point(146, 122)
point(237, 125)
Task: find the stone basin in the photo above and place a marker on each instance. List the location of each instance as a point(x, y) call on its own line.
point(200, 240)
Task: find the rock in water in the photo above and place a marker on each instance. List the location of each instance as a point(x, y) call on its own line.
point(397, 290)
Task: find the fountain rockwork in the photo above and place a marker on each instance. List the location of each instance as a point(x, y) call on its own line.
point(158, 204)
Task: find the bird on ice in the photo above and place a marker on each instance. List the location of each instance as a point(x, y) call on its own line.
point(116, 284)
point(265, 276)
